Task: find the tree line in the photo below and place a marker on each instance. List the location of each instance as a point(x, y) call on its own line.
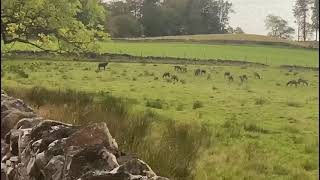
point(136, 18)
point(306, 13)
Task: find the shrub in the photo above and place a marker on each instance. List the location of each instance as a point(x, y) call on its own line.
point(214, 88)
point(260, 101)
point(294, 104)
point(155, 78)
point(157, 104)
point(310, 165)
point(22, 74)
point(180, 107)
point(197, 104)
point(230, 129)
point(183, 81)
point(253, 127)
point(134, 79)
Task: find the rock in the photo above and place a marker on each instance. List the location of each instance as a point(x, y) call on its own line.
point(94, 134)
point(14, 159)
point(33, 148)
point(135, 167)
point(54, 169)
point(28, 122)
point(12, 117)
point(91, 158)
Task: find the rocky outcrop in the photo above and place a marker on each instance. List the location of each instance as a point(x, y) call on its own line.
point(34, 148)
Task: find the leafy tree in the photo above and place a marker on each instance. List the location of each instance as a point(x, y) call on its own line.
point(315, 17)
point(230, 30)
point(300, 11)
point(125, 26)
point(73, 24)
point(238, 30)
point(152, 18)
point(278, 27)
point(168, 17)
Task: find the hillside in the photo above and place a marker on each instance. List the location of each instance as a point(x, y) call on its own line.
point(230, 38)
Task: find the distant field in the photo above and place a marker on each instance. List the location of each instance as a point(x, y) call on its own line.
point(253, 53)
point(266, 54)
point(232, 38)
point(263, 129)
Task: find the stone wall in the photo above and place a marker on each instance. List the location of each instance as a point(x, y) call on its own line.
point(34, 148)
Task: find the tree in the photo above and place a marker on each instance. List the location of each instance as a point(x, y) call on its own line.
point(315, 17)
point(278, 27)
point(300, 11)
point(153, 18)
point(178, 17)
point(238, 30)
point(73, 24)
point(125, 26)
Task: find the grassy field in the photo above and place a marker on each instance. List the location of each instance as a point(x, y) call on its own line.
point(261, 129)
point(270, 55)
point(235, 38)
point(254, 53)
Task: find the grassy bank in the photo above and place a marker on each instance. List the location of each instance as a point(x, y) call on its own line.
point(261, 129)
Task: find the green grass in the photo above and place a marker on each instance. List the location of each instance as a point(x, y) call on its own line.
point(254, 53)
point(230, 38)
point(269, 55)
point(261, 129)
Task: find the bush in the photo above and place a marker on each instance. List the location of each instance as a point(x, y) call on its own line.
point(197, 104)
point(157, 104)
point(294, 104)
point(155, 78)
point(260, 101)
point(214, 88)
point(180, 107)
point(253, 127)
point(134, 79)
point(310, 165)
point(22, 74)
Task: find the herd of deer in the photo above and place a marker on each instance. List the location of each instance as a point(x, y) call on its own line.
point(228, 75)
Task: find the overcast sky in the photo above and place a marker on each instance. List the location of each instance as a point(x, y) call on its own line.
point(250, 14)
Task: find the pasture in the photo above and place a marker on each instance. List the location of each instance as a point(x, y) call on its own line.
point(270, 55)
point(262, 128)
point(229, 38)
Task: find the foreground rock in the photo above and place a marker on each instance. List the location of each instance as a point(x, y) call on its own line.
point(33, 148)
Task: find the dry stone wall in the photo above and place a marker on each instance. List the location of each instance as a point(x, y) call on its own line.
point(34, 148)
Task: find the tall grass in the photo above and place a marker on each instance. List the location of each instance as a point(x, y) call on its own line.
point(171, 148)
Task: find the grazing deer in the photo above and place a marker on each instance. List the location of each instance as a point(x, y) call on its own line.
point(166, 75)
point(302, 81)
point(292, 82)
point(100, 65)
point(256, 75)
point(230, 78)
point(175, 78)
point(227, 74)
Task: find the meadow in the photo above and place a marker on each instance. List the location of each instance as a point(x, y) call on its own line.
point(253, 53)
point(266, 54)
point(230, 38)
point(259, 129)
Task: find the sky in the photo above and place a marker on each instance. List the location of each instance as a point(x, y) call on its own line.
point(250, 14)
